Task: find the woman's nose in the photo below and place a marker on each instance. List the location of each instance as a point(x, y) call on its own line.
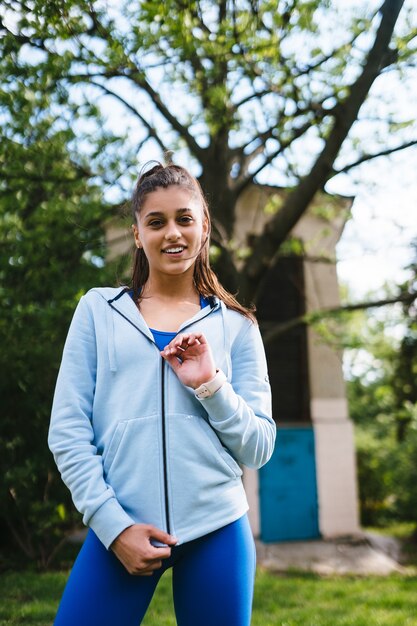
point(172, 232)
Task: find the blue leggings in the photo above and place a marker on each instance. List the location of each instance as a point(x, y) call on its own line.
point(212, 578)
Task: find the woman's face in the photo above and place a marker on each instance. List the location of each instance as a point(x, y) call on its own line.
point(171, 229)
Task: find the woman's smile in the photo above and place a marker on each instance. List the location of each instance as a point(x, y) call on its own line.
point(175, 251)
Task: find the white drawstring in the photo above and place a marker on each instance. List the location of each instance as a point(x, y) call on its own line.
point(110, 339)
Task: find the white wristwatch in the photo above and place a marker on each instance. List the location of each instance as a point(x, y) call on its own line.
point(206, 390)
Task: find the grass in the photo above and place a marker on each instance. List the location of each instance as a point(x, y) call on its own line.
point(293, 599)
point(399, 530)
point(406, 532)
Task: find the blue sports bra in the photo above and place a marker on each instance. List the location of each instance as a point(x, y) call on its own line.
point(162, 337)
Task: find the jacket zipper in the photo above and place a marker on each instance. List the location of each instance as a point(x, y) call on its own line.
point(164, 445)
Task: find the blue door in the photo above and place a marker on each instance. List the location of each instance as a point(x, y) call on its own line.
point(288, 491)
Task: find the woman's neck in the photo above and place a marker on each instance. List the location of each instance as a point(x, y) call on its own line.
point(167, 306)
point(171, 289)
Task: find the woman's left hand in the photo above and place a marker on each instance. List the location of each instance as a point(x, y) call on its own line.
point(191, 358)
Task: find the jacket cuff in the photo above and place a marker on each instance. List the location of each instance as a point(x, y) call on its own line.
point(222, 404)
point(109, 521)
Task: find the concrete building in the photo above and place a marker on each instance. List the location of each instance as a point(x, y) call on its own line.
point(309, 488)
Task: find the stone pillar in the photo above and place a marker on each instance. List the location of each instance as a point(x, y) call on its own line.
point(333, 430)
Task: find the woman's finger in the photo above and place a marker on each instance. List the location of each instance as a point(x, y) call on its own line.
point(192, 339)
point(199, 337)
point(143, 572)
point(179, 340)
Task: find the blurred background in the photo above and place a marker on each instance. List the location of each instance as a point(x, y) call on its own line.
point(298, 118)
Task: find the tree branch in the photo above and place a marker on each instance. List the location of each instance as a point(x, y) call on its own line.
point(271, 334)
point(268, 159)
point(152, 131)
point(192, 144)
point(256, 94)
point(277, 229)
point(334, 52)
point(137, 77)
point(36, 43)
point(368, 157)
point(131, 72)
point(315, 109)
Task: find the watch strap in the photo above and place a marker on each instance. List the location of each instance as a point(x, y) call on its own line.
point(206, 390)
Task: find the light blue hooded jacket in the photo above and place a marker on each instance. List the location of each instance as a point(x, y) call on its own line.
point(133, 444)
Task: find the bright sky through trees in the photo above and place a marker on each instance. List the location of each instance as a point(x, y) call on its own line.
point(375, 246)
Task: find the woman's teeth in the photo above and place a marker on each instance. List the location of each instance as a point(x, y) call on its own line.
point(174, 250)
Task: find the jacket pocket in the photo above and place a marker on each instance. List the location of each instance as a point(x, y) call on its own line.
point(110, 451)
point(197, 453)
point(219, 447)
point(133, 468)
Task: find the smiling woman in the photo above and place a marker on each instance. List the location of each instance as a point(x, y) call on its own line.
point(162, 392)
point(170, 224)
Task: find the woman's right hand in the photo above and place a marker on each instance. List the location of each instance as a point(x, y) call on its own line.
point(134, 550)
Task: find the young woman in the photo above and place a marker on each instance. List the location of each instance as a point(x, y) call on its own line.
point(162, 393)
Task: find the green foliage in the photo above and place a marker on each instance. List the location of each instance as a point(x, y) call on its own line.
point(405, 477)
point(247, 78)
point(383, 404)
point(51, 251)
point(241, 89)
point(274, 203)
point(293, 599)
point(380, 456)
point(387, 474)
point(372, 407)
point(292, 246)
point(375, 456)
point(405, 369)
point(381, 389)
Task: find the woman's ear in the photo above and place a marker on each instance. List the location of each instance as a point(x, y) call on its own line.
point(136, 236)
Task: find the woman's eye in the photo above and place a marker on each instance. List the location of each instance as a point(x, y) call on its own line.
point(155, 223)
point(185, 219)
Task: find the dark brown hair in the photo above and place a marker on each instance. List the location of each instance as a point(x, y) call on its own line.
point(205, 280)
